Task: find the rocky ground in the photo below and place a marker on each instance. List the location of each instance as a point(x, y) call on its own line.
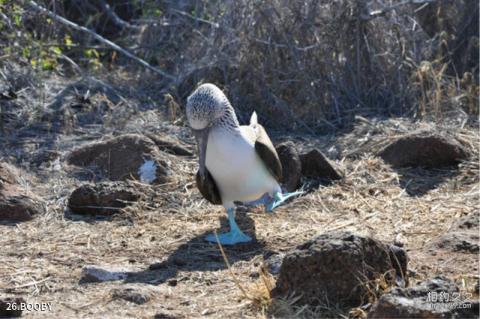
point(100, 216)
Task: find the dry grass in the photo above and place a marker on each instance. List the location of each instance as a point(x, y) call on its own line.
point(304, 65)
point(42, 259)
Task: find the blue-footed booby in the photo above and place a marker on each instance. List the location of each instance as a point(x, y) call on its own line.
point(236, 163)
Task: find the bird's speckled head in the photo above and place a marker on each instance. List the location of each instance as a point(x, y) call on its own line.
point(206, 105)
point(207, 108)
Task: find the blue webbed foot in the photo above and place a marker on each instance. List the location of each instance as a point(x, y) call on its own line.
point(230, 238)
point(261, 201)
point(279, 199)
point(234, 236)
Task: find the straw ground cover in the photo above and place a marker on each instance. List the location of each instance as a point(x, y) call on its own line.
point(42, 259)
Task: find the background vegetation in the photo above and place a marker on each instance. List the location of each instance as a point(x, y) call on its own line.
point(306, 65)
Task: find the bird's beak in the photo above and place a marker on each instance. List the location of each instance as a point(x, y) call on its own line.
point(202, 139)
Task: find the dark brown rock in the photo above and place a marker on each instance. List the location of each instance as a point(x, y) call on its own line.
point(291, 165)
point(335, 267)
point(106, 198)
point(93, 273)
point(10, 307)
point(16, 204)
point(419, 302)
point(470, 222)
point(419, 150)
point(45, 156)
point(135, 295)
point(124, 157)
point(462, 237)
point(274, 263)
point(467, 242)
point(8, 175)
point(20, 208)
point(168, 145)
point(315, 164)
point(164, 315)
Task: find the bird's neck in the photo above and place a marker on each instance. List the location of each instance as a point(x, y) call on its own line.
point(228, 120)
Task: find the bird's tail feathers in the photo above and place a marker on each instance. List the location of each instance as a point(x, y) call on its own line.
point(254, 119)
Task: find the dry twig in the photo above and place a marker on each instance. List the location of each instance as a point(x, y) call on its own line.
point(99, 38)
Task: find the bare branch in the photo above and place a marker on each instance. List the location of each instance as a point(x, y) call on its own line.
point(6, 19)
point(99, 38)
point(115, 18)
point(185, 14)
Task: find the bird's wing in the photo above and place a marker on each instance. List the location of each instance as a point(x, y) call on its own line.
point(208, 188)
point(265, 149)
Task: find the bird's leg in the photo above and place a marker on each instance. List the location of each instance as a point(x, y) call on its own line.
point(279, 198)
point(261, 201)
point(234, 236)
